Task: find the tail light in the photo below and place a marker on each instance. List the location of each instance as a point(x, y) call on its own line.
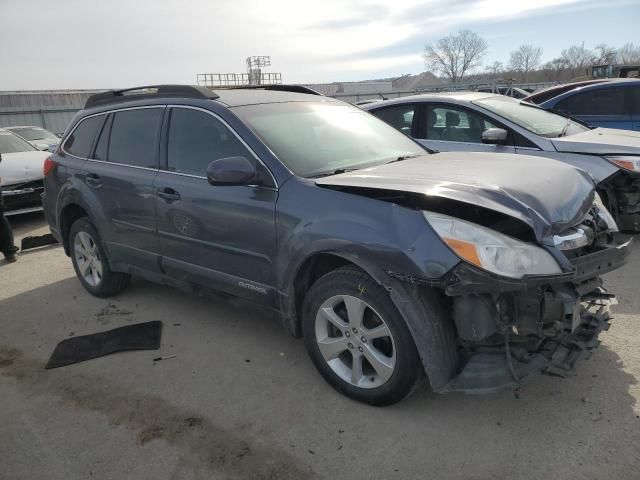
point(49, 164)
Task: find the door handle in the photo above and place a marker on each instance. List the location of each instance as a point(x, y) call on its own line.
point(168, 194)
point(93, 180)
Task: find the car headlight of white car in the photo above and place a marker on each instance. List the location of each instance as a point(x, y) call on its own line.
point(491, 250)
point(628, 162)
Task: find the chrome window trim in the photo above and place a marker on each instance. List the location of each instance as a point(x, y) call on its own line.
point(217, 117)
point(122, 165)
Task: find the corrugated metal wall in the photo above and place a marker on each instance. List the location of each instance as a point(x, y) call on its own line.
point(52, 110)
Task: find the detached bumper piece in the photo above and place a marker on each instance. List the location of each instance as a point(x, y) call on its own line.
point(493, 368)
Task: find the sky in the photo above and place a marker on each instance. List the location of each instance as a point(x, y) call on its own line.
point(86, 44)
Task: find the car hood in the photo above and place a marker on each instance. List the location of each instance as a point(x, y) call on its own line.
point(600, 141)
point(22, 167)
point(548, 195)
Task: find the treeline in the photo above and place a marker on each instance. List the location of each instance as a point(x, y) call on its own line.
point(460, 57)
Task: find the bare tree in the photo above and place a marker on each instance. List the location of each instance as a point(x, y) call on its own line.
point(605, 53)
point(495, 69)
point(629, 53)
point(525, 59)
point(577, 58)
point(456, 55)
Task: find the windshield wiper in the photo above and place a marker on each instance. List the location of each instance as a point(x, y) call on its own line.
point(405, 157)
point(328, 173)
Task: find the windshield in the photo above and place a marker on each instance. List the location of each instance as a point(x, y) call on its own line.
point(34, 134)
point(315, 138)
point(10, 143)
point(534, 119)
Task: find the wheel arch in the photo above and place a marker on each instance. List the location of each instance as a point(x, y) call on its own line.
point(431, 328)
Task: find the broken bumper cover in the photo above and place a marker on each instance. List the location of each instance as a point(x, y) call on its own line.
point(487, 372)
point(554, 321)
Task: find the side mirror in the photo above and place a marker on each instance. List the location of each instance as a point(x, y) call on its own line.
point(233, 171)
point(43, 147)
point(494, 136)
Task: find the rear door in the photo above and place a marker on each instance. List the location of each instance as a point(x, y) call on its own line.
point(451, 128)
point(603, 107)
point(222, 237)
point(119, 178)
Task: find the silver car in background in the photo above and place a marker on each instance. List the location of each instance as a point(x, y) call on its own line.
point(481, 122)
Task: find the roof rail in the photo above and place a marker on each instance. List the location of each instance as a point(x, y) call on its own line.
point(116, 96)
point(279, 88)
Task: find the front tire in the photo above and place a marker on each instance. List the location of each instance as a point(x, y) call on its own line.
point(358, 340)
point(90, 261)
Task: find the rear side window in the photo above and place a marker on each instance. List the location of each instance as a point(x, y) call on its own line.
point(196, 139)
point(604, 101)
point(80, 141)
point(399, 116)
point(134, 137)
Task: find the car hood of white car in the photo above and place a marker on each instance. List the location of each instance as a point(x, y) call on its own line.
point(22, 167)
point(600, 141)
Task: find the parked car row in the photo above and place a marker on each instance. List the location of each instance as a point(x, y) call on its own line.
point(391, 261)
point(498, 124)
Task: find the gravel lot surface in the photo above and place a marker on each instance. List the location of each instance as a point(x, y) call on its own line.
point(241, 399)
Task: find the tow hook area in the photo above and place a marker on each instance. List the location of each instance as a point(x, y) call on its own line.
point(516, 360)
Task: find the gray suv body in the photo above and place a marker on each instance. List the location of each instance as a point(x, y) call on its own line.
point(476, 269)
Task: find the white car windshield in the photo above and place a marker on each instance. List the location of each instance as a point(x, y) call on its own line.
point(318, 138)
point(34, 134)
point(10, 143)
point(534, 119)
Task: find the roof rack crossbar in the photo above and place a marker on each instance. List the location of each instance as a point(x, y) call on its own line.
point(114, 96)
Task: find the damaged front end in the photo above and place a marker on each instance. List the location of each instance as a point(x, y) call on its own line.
point(510, 329)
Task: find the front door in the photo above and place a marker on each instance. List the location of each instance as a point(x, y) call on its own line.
point(120, 175)
point(221, 237)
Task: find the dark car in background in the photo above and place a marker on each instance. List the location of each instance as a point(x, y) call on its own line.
point(476, 122)
point(479, 270)
point(608, 103)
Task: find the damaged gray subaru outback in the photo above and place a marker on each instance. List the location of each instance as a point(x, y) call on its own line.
point(479, 270)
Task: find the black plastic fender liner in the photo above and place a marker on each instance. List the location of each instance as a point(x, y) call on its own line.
point(432, 329)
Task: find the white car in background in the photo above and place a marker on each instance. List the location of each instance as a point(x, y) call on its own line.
point(21, 174)
point(39, 137)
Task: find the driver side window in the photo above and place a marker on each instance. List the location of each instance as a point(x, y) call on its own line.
point(196, 139)
point(452, 124)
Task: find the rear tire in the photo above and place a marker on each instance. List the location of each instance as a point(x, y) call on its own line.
point(358, 340)
point(90, 261)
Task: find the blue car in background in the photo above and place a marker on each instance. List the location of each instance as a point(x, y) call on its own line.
point(610, 104)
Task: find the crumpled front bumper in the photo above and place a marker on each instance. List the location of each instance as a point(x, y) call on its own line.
point(489, 371)
point(551, 323)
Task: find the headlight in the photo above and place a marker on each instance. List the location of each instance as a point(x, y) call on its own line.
point(628, 162)
point(604, 214)
point(491, 250)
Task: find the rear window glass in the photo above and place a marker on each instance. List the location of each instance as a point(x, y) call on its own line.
point(133, 139)
point(80, 141)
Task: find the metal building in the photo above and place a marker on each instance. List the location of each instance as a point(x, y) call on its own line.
point(50, 109)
